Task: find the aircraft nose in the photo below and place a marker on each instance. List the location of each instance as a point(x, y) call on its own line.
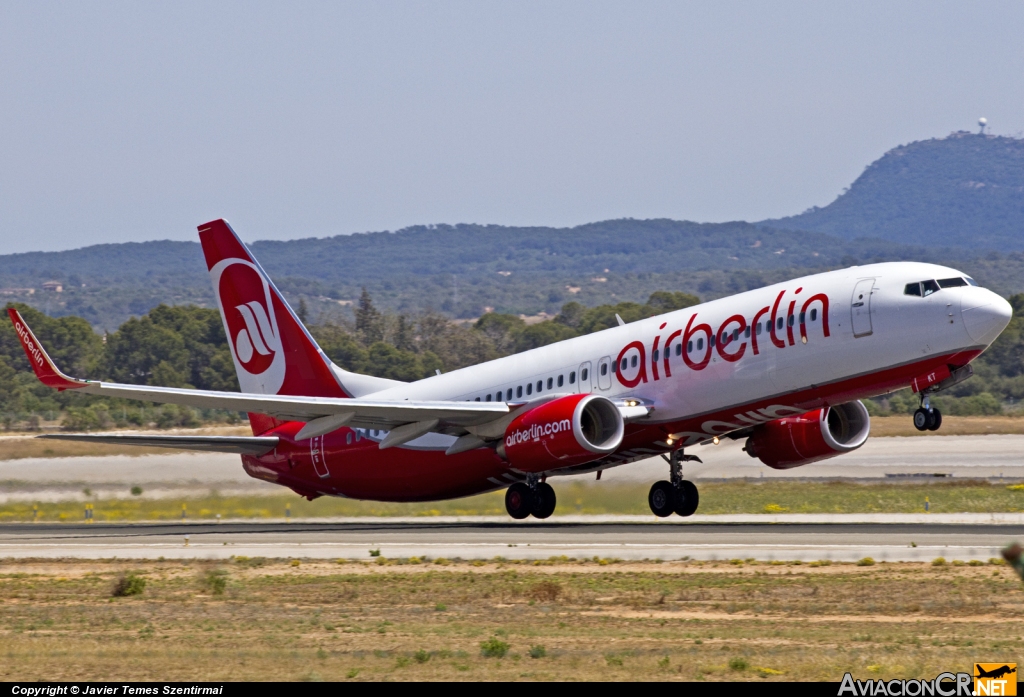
point(985, 314)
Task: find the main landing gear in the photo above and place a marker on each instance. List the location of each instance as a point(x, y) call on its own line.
point(677, 496)
point(927, 418)
point(534, 498)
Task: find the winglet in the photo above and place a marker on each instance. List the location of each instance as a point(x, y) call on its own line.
point(44, 368)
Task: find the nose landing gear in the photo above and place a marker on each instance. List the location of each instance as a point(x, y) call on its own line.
point(927, 417)
point(677, 496)
point(532, 498)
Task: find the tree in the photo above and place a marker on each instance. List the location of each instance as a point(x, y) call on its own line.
point(368, 319)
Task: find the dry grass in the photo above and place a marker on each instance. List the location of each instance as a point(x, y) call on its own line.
point(639, 621)
point(882, 426)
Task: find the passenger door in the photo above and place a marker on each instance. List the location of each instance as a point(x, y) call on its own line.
point(860, 308)
point(583, 384)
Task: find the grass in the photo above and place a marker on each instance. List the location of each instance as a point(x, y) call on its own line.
point(360, 621)
point(773, 496)
point(902, 425)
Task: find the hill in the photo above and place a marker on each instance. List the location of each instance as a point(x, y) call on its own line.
point(965, 190)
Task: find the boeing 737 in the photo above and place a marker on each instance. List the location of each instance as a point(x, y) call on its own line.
point(783, 367)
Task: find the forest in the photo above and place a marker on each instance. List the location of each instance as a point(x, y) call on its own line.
point(185, 346)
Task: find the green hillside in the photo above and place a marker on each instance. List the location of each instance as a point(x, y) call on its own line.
point(965, 190)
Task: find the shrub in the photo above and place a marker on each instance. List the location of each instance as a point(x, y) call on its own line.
point(938, 561)
point(128, 583)
point(537, 651)
point(493, 648)
point(421, 656)
point(866, 561)
point(738, 663)
point(215, 581)
point(136, 491)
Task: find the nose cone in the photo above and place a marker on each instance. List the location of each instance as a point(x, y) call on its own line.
point(985, 314)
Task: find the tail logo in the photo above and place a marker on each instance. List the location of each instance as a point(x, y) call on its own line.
point(247, 308)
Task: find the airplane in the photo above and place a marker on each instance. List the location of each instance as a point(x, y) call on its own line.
point(783, 367)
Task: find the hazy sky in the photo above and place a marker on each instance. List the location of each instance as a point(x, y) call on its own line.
point(139, 120)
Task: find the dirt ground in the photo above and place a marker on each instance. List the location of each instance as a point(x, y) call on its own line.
point(254, 619)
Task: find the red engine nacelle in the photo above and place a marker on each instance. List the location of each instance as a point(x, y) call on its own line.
point(566, 431)
point(817, 435)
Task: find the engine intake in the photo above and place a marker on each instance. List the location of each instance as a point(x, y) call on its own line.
point(817, 435)
point(570, 430)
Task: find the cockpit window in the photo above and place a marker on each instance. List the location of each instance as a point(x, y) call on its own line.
point(952, 282)
point(970, 281)
point(912, 289)
point(929, 287)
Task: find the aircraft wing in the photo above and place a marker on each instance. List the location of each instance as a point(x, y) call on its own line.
point(322, 414)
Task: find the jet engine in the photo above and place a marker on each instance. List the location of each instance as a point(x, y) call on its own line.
point(570, 430)
point(817, 435)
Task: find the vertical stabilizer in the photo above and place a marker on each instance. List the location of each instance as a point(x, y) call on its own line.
point(273, 352)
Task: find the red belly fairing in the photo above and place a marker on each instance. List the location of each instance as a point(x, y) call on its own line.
point(359, 469)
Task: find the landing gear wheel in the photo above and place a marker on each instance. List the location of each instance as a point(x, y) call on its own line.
point(543, 501)
point(662, 499)
point(934, 420)
point(687, 499)
point(519, 501)
point(921, 419)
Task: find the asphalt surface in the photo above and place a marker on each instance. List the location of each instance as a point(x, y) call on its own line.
point(486, 539)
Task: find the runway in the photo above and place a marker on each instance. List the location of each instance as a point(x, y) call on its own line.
point(884, 538)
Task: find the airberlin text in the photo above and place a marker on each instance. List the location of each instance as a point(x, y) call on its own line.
point(730, 341)
point(30, 346)
point(537, 431)
point(944, 685)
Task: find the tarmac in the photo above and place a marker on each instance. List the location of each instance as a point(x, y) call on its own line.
point(807, 538)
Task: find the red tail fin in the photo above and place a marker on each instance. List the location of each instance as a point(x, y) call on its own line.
point(273, 352)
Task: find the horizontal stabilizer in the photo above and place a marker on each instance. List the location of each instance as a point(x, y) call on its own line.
point(242, 445)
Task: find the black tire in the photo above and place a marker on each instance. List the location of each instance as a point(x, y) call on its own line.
point(921, 419)
point(662, 499)
point(519, 501)
point(687, 499)
point(934, 420)
point(544, 501)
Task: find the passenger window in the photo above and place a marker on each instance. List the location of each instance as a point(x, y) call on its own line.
point(519, 391)
point(552, 382)
point(803, 317)
point(529, 388)
point(780, 323)
point(679, 349)
point(951, 282)
point(625, 364)
point(584, 375)
point(912, 289)
point(540, 385)
point(348, 438)
point(792, 320)
point(711, 341)
point(632, 361)
point(497, 397)
point(487, 398)
point(700, 344)
point(758, 332)
point(604, 370)
point(477, 399)
point(572, 377)
point(814, 315)
point(746, 333)
point(654, 357)
point(689, 347)
point(560, 381)
point(929, 287)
